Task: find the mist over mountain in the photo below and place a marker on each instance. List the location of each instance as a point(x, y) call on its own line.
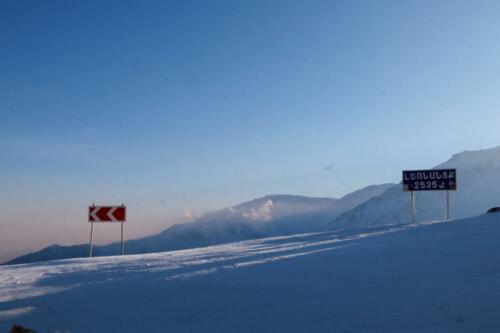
point(271, 215)
point(478, 179)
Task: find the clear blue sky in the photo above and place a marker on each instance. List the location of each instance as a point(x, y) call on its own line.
point(175, 106)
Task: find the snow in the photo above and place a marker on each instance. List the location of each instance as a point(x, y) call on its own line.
point(478, 189)
point(430, 277)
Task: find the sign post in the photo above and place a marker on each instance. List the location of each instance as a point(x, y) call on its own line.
point(447, 205)
point(106, 214)
point(121, 242)
point(413, 208)
point(430, 180)
point(91, 238)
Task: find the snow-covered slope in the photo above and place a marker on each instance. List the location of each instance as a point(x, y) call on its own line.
point(441, 277)
point(478, 190)
point(268, 216)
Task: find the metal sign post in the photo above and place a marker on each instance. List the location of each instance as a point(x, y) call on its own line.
point(91, 237)
point(121, 240)
point(413, 208)
point(447, 215)
point(107, 214)
point(430, 180)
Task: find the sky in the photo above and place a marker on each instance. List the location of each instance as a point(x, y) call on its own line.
point(178, 108)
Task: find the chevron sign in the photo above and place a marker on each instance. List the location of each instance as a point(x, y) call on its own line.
point(107, 213)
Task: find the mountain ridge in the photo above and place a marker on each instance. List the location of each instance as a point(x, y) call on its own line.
point(478, 189)
point(270, 215)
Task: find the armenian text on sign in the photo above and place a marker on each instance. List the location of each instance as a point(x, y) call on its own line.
point(430, 180)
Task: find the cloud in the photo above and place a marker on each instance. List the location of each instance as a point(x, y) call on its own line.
point(188, 214)
point(263, 213)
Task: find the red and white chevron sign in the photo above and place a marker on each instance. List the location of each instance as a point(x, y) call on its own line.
point(107, 213)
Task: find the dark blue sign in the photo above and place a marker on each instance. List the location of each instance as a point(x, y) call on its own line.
point(430, 180)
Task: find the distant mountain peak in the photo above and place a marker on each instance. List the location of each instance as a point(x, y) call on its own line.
point(478, 179)
point(475, 160)
point(261, 213)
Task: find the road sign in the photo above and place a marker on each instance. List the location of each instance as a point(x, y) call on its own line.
point(430, 180)
point(107, 213)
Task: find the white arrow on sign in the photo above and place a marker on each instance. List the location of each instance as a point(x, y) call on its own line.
point(94, 212)
point(107, 214)
point(110, 214)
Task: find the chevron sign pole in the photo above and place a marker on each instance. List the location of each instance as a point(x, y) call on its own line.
point(106, 214)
